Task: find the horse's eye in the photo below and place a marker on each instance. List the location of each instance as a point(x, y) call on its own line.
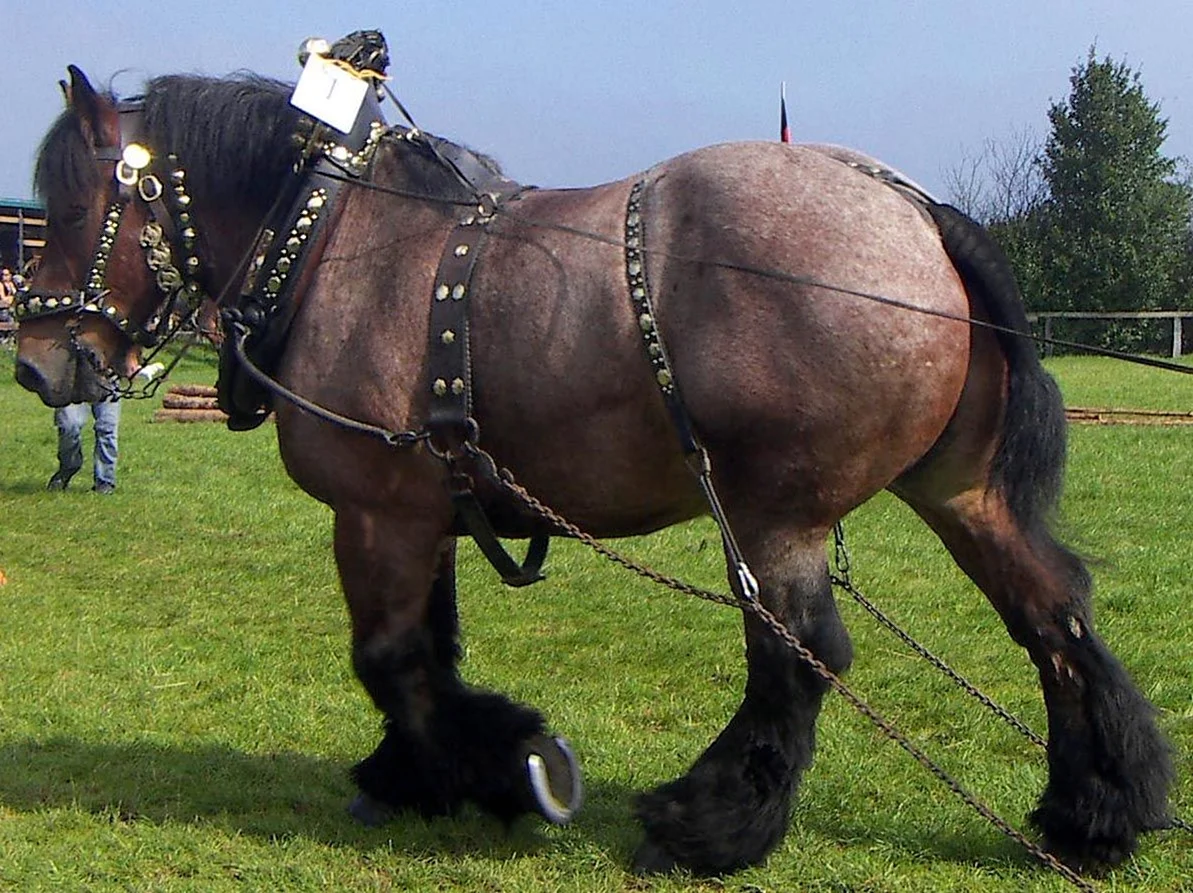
point(75, 216)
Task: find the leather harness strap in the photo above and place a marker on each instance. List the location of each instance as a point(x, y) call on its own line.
point(453, 430)
point(451, 422)
point(289, 248)
point(652, 342)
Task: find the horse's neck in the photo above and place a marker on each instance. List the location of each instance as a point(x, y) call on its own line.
point(228, 237)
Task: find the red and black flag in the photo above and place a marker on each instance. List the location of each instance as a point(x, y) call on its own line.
point(784, 130)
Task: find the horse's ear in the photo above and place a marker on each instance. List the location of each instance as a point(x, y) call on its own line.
point(65, 88)
point(97, 114)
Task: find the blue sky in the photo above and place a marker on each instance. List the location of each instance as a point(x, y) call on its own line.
point(571, 94)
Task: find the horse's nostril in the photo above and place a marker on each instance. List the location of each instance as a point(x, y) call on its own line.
point(29, 377)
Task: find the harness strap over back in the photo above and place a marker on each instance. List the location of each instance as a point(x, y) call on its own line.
point(656, 354)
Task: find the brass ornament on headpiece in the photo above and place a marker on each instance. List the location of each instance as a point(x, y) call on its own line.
point(134, 158)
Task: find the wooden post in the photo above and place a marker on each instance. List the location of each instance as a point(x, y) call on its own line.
point(1176, 337)
point(1047, 336)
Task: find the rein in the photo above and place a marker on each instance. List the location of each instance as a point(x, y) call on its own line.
point(794, 279)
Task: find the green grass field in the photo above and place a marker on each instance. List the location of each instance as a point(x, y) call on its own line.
point(178, 713)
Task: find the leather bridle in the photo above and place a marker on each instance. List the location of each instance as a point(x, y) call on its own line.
point(137, 175)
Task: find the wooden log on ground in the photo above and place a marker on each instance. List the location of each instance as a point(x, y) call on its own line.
point(180, 401)
point(189, 415)
point(193, 390)
point(1096, 416)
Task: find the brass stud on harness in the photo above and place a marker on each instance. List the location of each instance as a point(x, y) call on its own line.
point(448, 336)
point(442, 292)
point(439, 387)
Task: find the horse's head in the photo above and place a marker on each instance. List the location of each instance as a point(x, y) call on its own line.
point(122, 244)
point(85, 315)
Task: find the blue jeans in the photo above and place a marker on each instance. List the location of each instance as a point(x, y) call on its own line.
point(70, 421)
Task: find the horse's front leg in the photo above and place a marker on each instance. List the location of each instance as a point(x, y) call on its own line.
point(444, 742)
point(733, 805)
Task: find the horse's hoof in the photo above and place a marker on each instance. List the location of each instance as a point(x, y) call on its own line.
point(554, 777)
point(370, 811)
point(650, 858)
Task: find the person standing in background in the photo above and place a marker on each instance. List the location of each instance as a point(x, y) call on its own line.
point(8, 294)
point(70, 420)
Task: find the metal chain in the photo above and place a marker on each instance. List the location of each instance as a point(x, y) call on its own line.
point(804, 653)
point(842, 580)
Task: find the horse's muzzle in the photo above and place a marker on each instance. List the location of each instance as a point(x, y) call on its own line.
point(77, 382)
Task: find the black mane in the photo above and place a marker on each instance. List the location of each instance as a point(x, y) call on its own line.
point(65, 166)
point(232, 135)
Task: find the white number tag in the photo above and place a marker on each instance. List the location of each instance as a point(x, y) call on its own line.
point(329, 93)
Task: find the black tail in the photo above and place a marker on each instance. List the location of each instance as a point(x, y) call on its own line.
point(1030, 463)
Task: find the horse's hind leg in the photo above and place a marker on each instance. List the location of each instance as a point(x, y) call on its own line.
point(445, 742)
point(1109, 769)
point(733, 806)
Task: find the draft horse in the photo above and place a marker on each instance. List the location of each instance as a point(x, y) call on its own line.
point(808, 398)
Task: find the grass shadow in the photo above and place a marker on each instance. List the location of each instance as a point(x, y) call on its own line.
point(973, 844)
point(268, 796)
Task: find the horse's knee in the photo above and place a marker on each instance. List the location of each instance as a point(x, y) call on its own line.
point(397, 672)
point(778, 673)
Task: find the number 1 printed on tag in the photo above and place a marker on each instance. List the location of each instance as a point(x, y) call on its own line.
point(329, 93)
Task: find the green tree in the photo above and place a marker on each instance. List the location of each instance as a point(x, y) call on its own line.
point(1114, 229)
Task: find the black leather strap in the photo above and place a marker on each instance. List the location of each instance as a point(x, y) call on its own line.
point(474, 520)
point(449, 364)
point(660, 364)
point(452, 430)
